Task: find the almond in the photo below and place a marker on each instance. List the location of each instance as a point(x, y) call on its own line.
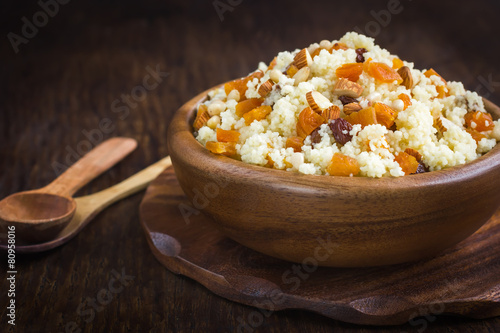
point(317, 101)
point(331, 113)
point(347, 88)
point(201, 117)
point(414, 153)
point(439, 124)
point(352, 107)
point(302, 59)
point(405, 74)
point(265, 88)
point(302, 75)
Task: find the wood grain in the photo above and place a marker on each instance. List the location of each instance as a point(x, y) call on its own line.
point(371, 222)
point(190, 244)
point(63, 82)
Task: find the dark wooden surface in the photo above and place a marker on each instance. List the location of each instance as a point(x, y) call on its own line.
point(62, 83)
point(461, 280)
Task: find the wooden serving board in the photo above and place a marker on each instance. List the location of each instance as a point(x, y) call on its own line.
point(464, 280)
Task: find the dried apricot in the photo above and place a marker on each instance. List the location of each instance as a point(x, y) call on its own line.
point(338, 46)
point(406, 100)
point(479, 121)
point(350, 71)
point(227, 135)
point(247, 105)
point(385, 114)
point(364, 117)
point(343, 165)
point(292, 70)
point(383, 73)
point(397, 63)
point(475, 134)
point(223, 148)
point(308, 121)
point(295, 142)
point(258, 113)
point(408, 163)
point(272, 64)
point(430, 72)
point(241, 84)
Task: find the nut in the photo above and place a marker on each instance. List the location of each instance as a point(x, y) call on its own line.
point(275, 75)
point(331, 113)
point(213, 122)
point(439, 124)
point(347, 88)
point(302, 59)
point(317, 101)
point(201, 117)
point(405, 74)
point(265, 88)
point(234, 94)
point(302, 75)
point(352, 107)
point(414, 153)
point(216, 107)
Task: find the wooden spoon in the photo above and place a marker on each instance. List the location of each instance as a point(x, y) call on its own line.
point(39, 215)
point(89, 206)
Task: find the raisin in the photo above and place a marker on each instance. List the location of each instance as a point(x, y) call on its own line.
point(421, 168)
point(346, 100)
point(359, 54)
point(341, 130)
point(315, 136)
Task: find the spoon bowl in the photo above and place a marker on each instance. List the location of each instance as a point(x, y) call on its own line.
point(39, 215)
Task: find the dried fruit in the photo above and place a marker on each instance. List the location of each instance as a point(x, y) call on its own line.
point(479, 121)
point(343, 165)
point(408, 163)
point(430, 72)
point(475, 134)
point(202, 117)
point(302, 59)
point(315, 136)
point(363, 117)
point(341, 130)
point(382, 73)
point(308, 122)
point(317, 101)
point(295, 142)
point(301, 76)
point(359, 54)
point(397, 63)
point(338, 46)
point(227, 135)
point(223, 148)
point(414, 153)
point(241, 84)
point(247, 105)
point(421, 168)
point(265, 88)
point(352, 107)
point(345, 87)
point(350, 71)
point(346, 100)
point(292, 70)
point(258, 113)
point(405, 74)
point(406, 100)
point(385, 114)
point(330, 113)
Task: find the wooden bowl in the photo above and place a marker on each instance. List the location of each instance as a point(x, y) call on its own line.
point(334, 221)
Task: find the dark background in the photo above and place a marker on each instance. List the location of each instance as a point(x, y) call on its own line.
point(64, 80)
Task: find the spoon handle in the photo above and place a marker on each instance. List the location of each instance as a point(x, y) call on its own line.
point(91, 205)
point(91, 165)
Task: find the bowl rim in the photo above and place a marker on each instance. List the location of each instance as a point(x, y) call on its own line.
point(180, 130)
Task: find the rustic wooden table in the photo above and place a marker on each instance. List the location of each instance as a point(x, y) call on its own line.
point(75, 73)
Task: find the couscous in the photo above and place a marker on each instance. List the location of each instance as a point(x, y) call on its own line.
point(346, 108)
